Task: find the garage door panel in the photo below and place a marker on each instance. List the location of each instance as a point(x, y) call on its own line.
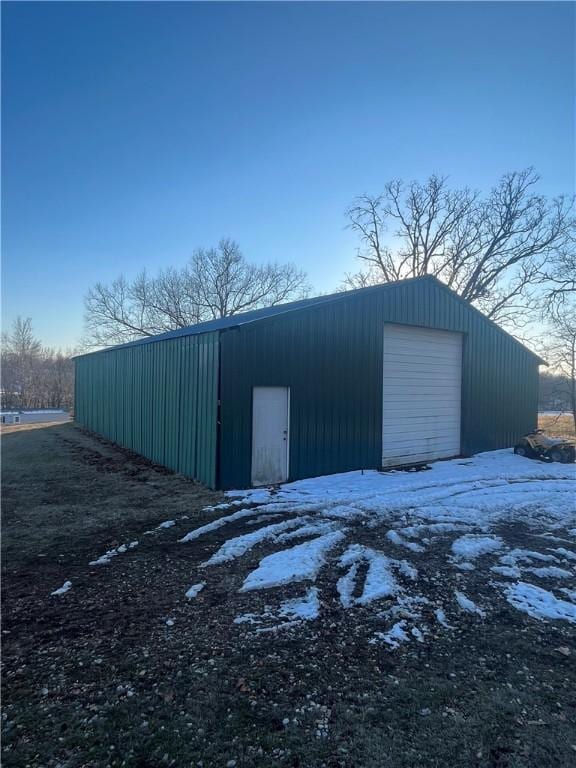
point(421, 394)
point(441, 415)
point(428, 348)
point(406, 406)
point(423, 341)
point(434, 393)
point(412, 388)
point(410, 458)
point(414, 426)
point(415, 366)
point(406, 445)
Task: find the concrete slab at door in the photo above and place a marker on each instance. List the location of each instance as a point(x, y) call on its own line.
point(270, 438)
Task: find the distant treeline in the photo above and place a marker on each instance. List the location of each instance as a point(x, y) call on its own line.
point(554, 392)
point(34, 376)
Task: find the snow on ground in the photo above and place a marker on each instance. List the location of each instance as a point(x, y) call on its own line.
point(397, 539)
point(506, 570)
point(471, 546)
point(63, 589)
point(219, 523)
point(457, 510)
point(566, 553)
point(305, 608)
point(492, 485)
point(110, 553)
point(195, 589)
point(441, 618)
point(239, 545)
point(299, 563)
point(379, 580)
point(551, 572)
point(290, 613)
point(394, 637)
point(468, 605)
point(539, 603)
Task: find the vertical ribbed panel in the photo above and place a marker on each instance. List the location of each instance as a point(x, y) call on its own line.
point(331, 358)
point(158, 399)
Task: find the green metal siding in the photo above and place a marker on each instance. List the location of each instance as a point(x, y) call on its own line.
point(158, 399)
point(331, 358)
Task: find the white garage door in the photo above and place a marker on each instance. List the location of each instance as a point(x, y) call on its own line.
point(422, 393)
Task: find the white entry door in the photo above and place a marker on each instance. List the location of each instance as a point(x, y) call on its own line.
point(270, 438)
point(421, 395)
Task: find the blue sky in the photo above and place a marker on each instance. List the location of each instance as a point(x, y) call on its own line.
point(134, 132)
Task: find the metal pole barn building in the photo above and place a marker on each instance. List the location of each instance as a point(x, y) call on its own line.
point(391, 375)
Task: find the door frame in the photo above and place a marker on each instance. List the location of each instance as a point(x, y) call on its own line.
point(288, 405)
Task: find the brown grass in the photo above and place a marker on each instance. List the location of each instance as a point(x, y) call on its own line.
point(557, 426)
point(8, 429)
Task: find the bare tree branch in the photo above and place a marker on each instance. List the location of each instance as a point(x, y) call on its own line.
point(494, 251)
point(216, 282)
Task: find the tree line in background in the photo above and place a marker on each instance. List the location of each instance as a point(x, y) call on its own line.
point(34, 376)
point(555, 393)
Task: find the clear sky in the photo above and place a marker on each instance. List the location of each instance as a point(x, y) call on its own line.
point(134, 132)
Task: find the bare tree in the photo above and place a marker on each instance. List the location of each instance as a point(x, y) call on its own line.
point(20, 358)
point(554, 391)
point(34, 376)
point(560, 277)
point(216, 282)
point(491, 250)
point(560, 350)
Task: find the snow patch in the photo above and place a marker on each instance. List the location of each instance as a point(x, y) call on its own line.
point(397, 539)
point(379, 581)
point(296, 610)
point(304, 608)
point(299, 563)
point(539, 603)
point(63, 589)
point(239, 545)
point(110, 553)
point(394, 637)
point(551, 572)
point(346, 584)
point(219, 523)
point(441, 618)
point(526, 555)
point(105, 558)
point(344, 512)
point(468, 605)
point(471, 546)
point(566, 553)
point(511, 571)
point(195, 589)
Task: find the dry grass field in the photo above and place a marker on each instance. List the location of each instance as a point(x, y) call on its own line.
point(558, 426)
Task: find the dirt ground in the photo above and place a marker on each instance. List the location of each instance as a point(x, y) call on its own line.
point(97, 677)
